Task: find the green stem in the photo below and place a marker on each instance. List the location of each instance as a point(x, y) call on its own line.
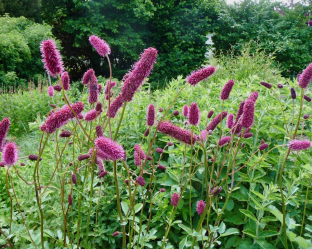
point(305, 204)
point(120, 120)
point(10, 243)
point(11, 201)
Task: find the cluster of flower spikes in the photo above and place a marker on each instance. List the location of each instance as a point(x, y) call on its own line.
point(9, 150)
point(110, 148)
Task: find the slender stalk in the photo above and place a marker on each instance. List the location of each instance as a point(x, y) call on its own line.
point(305, 205)
point(120, 120)
point(11, 201)
point(7, 238)
point(279, 101)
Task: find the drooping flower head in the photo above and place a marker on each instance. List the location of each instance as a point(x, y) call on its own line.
point(112, 149)
point(248, 135)
point(51, 58)
point(162, 167)
point(57, 88)
point(210, 113)
point(100, 45)
point(70, 200)
point(91, 115)
point(199, 75)
point(293, 93)
point(61, 117)
point(176, 113)
point(267, 85)
point(112, 84)
point(306, 116)
point(227, 90)
point(216, 190)
point(280, 86)
point(65, 80)
point(93, 90)
point(87, 76)
point(224, 140)
point(140, 71)
point(299, 144)
point(185, 110)
point(10, 154)
point(83, 157)
point(150, 115)
point(159, 150)
point(263, 146)
point(99, 131)
point(175, 199)
point(115, 105)
point(65, 134)
point(146, 133)
point(50, 91)
point(307, 98)
point(230, 121)
point(99, 107)
point(74, 178)
point(161, 109)
point(141, 181)
point(305, 77)
point(139, 155)
point(176, 132)
point(214, 123)
point(33, 157)
point(4, 127)
point(194, 114)
point(200, 207)
point(248, 114)
point(253, 96)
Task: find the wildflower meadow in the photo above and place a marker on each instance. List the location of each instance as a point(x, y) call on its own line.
point(210, 161)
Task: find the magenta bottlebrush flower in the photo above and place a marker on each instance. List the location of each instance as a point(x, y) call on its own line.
point(210, 114)
point(113, 83)
point(248, 114)
point(175, 199)
point(141, 181)
point(115, 105)
point(137, 159)
point(213, 124)
point(230, 121)
point(99, 131)
point(203, 135)
point(33, 157)
point(161, 109)
point(65, 134)
point(74, 178)
point(112, 149)
point(22, 164)
point(263, 146)
point(170, 143)
point(162, 167)
point(176, 113)
point(237, 127)
point(98, 107)
point(51, 58)
point(199, 75)
point(93, 92)
point(57, 88)
point(150, 115)
point(159, 150)
point(149, 158)
point(307, 98)
point(243, 145)
point(80, 116)
point(306, 116)
point(140, 71)
point(100, 45)
point(99, 86)
point(224, 140)
point(116, 233)
point(146, 133)
point(280, 86)
point(51, 91)
point(88, 76)
point(262, 141)
point(91, 115)
point(83, 157)
point(65, 80)
point(253, 96)
point(293, 93)
point(194, 114)
point(298, 145)
point(99, 154)
point(248, 135)
point(102, 174)
point(53, 105)
point(59, 118)
point(140, 152)
point(70, 200)
point(10, 154)
point(267, 85)
point(185, 111)
point(176, 132)
point(100, 164)
point(4, 127)
point(200, 207)
point(162, 190)
point(305, 77)
point(216, 190)
point(227, 90)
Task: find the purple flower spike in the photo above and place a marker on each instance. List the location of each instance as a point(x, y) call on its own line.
point(216, 190)
point(65, 134)
point(50, 91)
point(115, 105)
point(176, 132)
point(293, 93)
point(93, 92)
point(161, 109)
point(146, 133)
point(248, 114)
point(305, 77)
point(113, 83)
point(100, 45)
point(162, 167)
point(253, 96)
point(248, 135)
point(140, 180)
point(51, 58)
point(99, 107)
point(83, 157)
point(280, 86)
point(57, 88)
point(10, 154)
point(306, 116)
point(243, 145)
point(199, 75)
point(4, 127)
point(33, 157)
point(159, 150)
point(112, 149)
point(194, 114)
point(176, 113)
point(175, 199)
point(70, 200)
point(203, 135)
point(74, 178)
point(263, 146)
point(170, 143)
point(65, 80)
point(88, 76)
point(267, 85)
point(210, 113)
point(91, 115)
point(307, 98)
point(200, 207)
point(99, 131)
point(162, 190)
point(224, 140)
point(214, 123)
point(227, 90)
point(140, 71)
point(230, 121)
point(185, 110)
point(150, 116)
point(299, 144)
point(116, 233)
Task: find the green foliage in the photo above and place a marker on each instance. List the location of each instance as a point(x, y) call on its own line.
point(20, 57)
point(285, 34)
